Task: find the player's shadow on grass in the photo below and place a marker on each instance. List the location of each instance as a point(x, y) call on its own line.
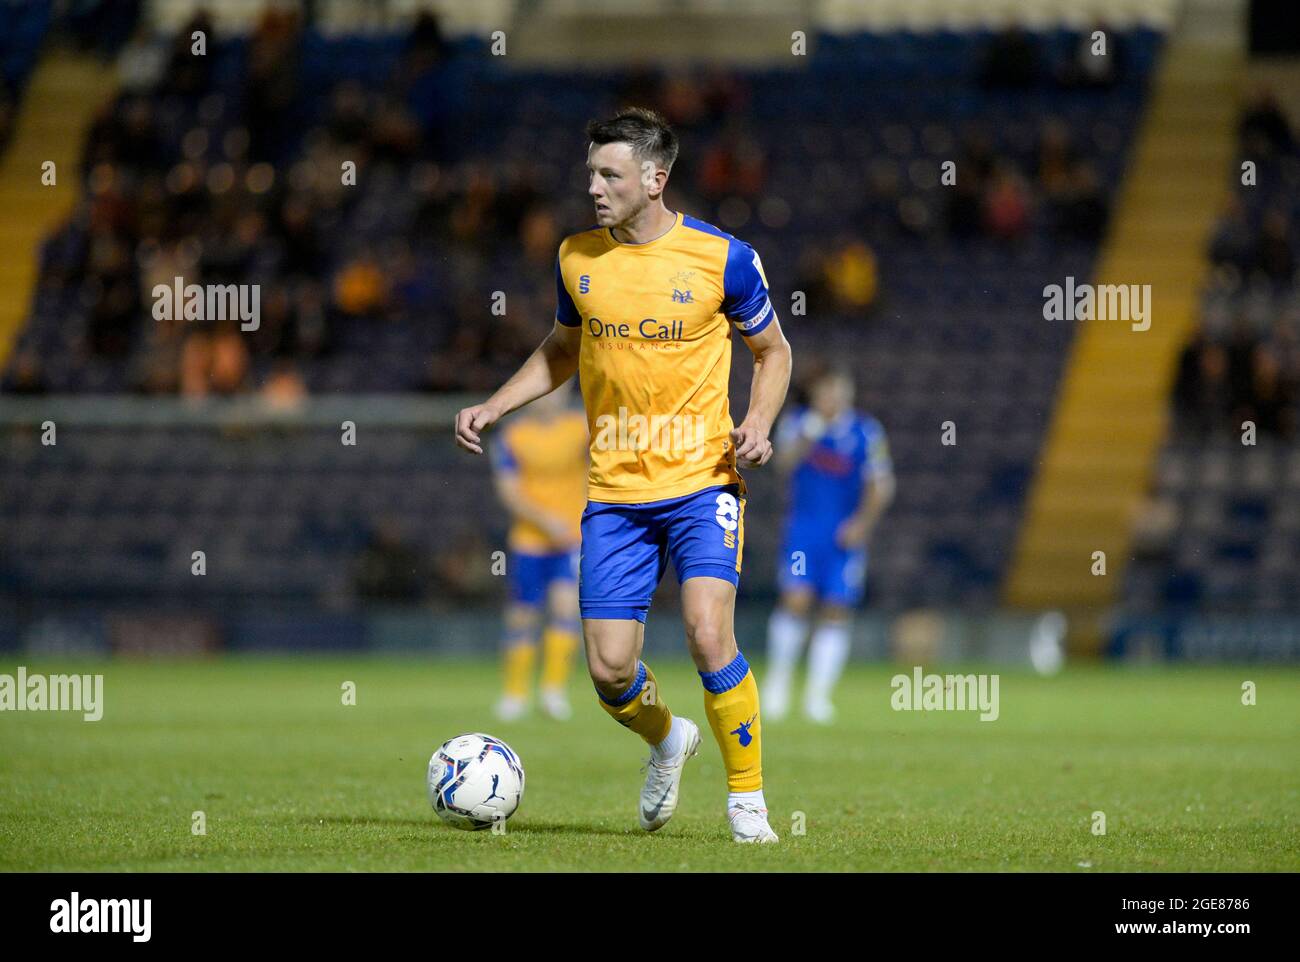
point(570, 828)
point(553, 828)
point(353, 820)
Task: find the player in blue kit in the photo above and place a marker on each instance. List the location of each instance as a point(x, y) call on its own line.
point(841, 481)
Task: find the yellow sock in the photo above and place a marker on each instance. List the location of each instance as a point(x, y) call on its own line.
point(731, 702)
point(518, 659)
point(641, 708)
point(559, 642)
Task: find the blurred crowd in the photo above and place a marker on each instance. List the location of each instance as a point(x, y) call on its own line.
point(247, 195)
point(252, 209)
point(1243, 363)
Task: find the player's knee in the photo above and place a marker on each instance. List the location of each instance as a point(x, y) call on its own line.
point(708, 637)
point(522, 617)
point(797, 603)
point(836, 614)
point(564, 603)
point(610, 678)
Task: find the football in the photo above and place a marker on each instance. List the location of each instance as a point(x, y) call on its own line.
point(475, 780)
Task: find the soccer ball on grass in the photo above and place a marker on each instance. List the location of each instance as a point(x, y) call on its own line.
point(475, 780)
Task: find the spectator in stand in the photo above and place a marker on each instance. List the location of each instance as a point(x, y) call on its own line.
point(1264, 129)
point(1201, 393)
point(1272, 395)
point(1274, 253)
point(733, 165)
point(26, 374)
point(852, 276)
point(965, 210)
point(1006, 204)
point(284, 389)
point(214, 360)
point(1011, 60)
point(361, 288)
point(187, 75)
point(1056, 160)
point(272, 84)
point(1097, 59)
point(1233, 242)
point(1083, 212)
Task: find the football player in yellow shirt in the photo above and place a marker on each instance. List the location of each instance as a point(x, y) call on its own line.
point(539, 462)
point(646, 303)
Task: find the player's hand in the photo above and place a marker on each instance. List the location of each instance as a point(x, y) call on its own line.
point(470, 423)
point(558, 530)
point(753, 449)
point(852, 533)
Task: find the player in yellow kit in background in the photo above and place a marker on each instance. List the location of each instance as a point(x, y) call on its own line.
point(539, 465)
point(646, 303)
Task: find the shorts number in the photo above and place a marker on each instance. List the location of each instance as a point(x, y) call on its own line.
point(728, 514)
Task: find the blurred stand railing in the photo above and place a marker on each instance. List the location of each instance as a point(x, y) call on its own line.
point(327, 410)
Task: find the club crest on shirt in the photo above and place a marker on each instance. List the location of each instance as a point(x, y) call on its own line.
point(681, 287)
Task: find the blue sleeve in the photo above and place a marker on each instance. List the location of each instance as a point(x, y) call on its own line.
point(744, 299)
point(877, 462)
point(503, 459)
point(566, 312)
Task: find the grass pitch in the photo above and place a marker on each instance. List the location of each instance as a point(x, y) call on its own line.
point(290, 779)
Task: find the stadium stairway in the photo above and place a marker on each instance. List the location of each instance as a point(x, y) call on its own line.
point(1111, 409)
point(56, 111)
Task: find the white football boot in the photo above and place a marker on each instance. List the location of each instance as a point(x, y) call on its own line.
point(555, 704)
point(819, 711)
point(749, 824)
point(659, 794)
point(511, 708)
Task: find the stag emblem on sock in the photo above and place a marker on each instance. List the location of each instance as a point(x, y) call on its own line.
point(742, 733)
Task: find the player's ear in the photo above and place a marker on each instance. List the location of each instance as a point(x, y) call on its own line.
point(654, 178)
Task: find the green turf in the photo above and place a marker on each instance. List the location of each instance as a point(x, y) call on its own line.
point(291, 779)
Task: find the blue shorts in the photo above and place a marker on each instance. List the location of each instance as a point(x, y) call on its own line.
point(531, 575)
point(811, 560)
point(626, 546)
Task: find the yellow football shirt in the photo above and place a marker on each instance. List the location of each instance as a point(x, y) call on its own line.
point(655, 359)
point(549, 457)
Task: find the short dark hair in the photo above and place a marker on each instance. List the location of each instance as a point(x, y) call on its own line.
point(832, 370)
point(645, 131)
